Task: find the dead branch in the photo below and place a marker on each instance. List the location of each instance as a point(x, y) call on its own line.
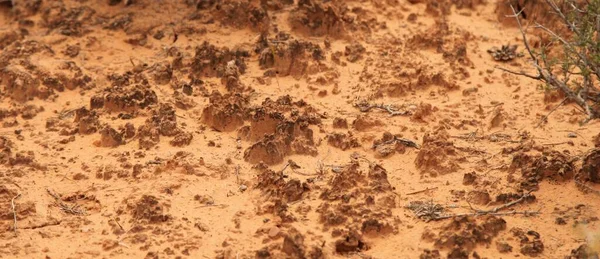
point(429, 211)
point(422, 191)
point(521, 73)
point(545, 75)
point(220, 206)
point(504, 206)
point(558, 144)
point(545, 118)
point(237, 174)
point(475, 214)
point(118, 224)
point(12, 202)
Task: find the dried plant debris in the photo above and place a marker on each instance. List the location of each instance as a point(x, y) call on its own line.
point(393, 110)
point(426, 210)
point(504, 53)
point(68, 208)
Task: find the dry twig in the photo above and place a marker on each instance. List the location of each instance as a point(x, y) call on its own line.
point(12, 202)
point(430, 211)
point(545, 118)
point(391, 109)
point(65, 207)
point(421, 191)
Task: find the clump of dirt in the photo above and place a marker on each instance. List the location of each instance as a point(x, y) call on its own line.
point(343, 141)
point(162, 73)
point(275, 185)
point(5, 149)
point(182, 139)
point(335, 19)
point(552, 165)
point(292, 246)
point(463, 234)
point(68, 21)
point(211, 61)
point(30, 111)
point(25, 8)
point(353, 187)
point(443, 8)
point(148, 209)
point(530, 241)
point(165, 120)
point(339, 123)
point(351, 242)
point(438, 155)
point(225, 112)
point(235, 13)
point(129, 93)
point(109, 137)
point(21, 85)
point(240, 14)
point(268, 150)
point(285, 56)
point(590, 170)
point(162, 122)
point(21, 50)
point(231, 77)
point(412, 77)
point(148, 135)
point(354, 52)
point(430, 254)
point(87, 121)
point(440, 38)
point(24, 158)
point(423, 111)
point(7, 37)
point(317, 19)
point(183, 162)
point(582, 252)
point(282, 128)
point(597, 141)
point(365, 123)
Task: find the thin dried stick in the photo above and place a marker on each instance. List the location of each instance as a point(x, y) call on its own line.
point(237, 175)
point(421, 191)
point(70, 209)
point(495, 211)
point(521, 73)
point(510, 213)
point(504, 206)
point(12, 202)
point(545, 118)
point(392, 110)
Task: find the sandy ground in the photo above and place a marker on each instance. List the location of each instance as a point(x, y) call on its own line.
point(284, 129)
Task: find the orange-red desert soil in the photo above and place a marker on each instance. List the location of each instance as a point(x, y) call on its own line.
point(286, 129)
